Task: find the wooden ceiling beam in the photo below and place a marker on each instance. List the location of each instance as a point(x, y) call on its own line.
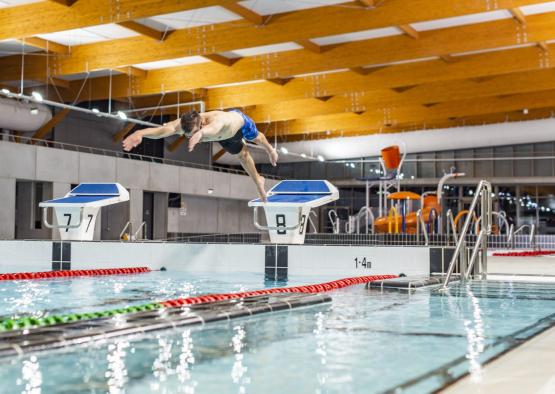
point(310, 46)
point(245, 13)
point(118, 137)
point(55, 120)
point(409, 31)
point(48, 46)
point(176, 144)
point(495, 117)
point(298, 26)
point(218, 155)
point(477, 68)
point(448, 58)
point(375, 118)
point(518, 15)
point(427, 95)
point(132, 71)
point(434, 93)
point(145, 30)
point(48, 17)
point(220, 59)
point(367, 3)
point(67, 3)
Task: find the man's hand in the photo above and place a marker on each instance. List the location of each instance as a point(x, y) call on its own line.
point(132, 141)
point(195, 139)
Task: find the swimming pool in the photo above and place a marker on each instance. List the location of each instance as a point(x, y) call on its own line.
point(364, 341)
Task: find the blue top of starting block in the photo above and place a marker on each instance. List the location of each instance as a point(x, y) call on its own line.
point(78, 199)
point(301, 187)
point(88, 189)
point(292, 198)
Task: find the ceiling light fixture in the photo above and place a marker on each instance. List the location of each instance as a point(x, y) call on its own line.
point(37, 96)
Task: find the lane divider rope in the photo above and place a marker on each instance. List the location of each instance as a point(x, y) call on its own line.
point(31, 322)
point(317, 288)
point(525, 253)
point(73, 273)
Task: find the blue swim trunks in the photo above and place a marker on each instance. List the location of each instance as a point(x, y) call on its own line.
point(249, 130)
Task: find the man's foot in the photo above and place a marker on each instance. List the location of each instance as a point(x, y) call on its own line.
point(273, 155)
point(261, 190)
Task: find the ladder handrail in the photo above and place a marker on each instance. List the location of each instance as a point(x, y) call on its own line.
point(143, 225)
point(311, 222)
point(500, 218)
point(123, 231)
point(532, 228)
point(334, 222)
point(483, 185)
point(369, 214)
point(451, 227)
point(421, 225)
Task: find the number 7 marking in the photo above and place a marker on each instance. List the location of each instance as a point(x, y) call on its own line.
point(90, 220)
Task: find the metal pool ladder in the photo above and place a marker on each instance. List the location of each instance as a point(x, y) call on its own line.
point(483, 196)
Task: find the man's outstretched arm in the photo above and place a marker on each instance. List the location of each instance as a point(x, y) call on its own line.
point(136, 138)
point(207, 133)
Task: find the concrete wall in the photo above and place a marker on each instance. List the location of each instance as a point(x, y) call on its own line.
point(7, 207)
point(63, 168)
point(205, 215)
point(27, 213)
point(87, 130)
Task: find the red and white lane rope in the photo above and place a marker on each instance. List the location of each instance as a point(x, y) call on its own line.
point(316, 288)
point(73, 273)
point(525, 253)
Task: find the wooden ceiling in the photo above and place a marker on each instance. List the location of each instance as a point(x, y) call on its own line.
point(466, 74)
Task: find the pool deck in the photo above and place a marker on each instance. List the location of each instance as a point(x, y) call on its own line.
point(528, 368)
point(540, 266)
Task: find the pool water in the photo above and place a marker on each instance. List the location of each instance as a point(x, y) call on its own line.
point(364, 341)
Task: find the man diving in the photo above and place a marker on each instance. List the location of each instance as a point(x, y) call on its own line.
point(228, 128)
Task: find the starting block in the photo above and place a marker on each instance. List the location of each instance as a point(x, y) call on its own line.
point(77, 211)
point(288, 206)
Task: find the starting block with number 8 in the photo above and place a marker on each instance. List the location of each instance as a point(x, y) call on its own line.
point(77, 211)
point(288, 206)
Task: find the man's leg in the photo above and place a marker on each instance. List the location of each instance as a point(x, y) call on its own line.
point(248, 164)
point(263, 141)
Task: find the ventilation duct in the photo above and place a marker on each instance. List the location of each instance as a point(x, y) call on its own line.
point(16, 115)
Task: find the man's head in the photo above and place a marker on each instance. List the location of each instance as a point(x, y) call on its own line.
point(190, 122)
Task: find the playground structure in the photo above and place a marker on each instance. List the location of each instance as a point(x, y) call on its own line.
point(405, 212)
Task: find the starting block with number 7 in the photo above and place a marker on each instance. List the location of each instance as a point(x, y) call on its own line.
point(77, 211)
point(288, 206)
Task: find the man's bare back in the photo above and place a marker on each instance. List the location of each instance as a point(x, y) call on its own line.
point(228, 123)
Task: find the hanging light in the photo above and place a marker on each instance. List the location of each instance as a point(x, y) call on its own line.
point(37, 96)
point(122, 115)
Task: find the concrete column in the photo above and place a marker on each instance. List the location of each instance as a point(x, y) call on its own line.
point(160, 216)
point(136, 208)
point(7, 208)
point(59, 190)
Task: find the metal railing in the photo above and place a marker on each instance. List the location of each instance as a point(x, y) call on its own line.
point(512, 235)
point(311, 222)
point(124, 155)
point(421, 227)
point(366, 212)
point(334, 219)
point(482, 195)
point(451, 227)
point(144, 234)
